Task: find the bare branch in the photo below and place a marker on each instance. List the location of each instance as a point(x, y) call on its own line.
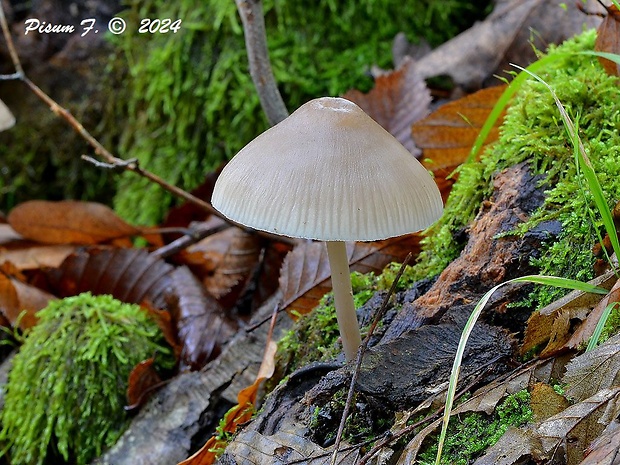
point(251, 12)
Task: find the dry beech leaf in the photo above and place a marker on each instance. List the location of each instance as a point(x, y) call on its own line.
point(448, 134)
point(594, 370)
point(33, 257)
point(202, 327)
point(134, 276)
point(142, 379)
point(545, 402)
point(305, 274)
point(608, 39)
point(583, 333)
point(225, 262)
point(550, 327)
point(514, 445)
point(68, 222)
point(398, 99)
point(17, 296)
point(566, 435)
point(604, 450)
point(7, 120)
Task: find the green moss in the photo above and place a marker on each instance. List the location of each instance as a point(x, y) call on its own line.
point(65, 396)
point(533, 131)
point(471, 434)
point(314, 337)
point(190, 104)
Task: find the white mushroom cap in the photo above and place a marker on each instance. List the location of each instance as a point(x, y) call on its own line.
point(328, 172)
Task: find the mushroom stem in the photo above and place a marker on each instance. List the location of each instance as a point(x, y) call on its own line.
point(343, 297)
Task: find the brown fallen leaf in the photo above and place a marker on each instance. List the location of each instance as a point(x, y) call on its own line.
point(20, 301)
point(486, 49)
point(142, 379)
point(447, 135)
point(584, 332)
point(550, 328)
point(608, 39)
point(201, 324)
point(398, 99)
point(545, 402)
point(305, 273)
point(225, 262)
point(564, 437)
point(36, 256)
point(69, 222)
point(594, 371)
point(604, 450)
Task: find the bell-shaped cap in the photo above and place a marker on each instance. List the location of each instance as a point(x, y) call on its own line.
point(328, 172)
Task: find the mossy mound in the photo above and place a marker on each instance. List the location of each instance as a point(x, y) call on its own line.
point(66, 392)
point(190, 102)
point(533, 131)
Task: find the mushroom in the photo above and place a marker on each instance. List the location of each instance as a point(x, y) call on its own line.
point(329, 172)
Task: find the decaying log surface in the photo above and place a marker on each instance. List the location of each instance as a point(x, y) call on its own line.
point(415, 356)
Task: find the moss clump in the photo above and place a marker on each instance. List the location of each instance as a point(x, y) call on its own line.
point(66, 389)
point(533, 131)
point(190, 102)
point(471, 434)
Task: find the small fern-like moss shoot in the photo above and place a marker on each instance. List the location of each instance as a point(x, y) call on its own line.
point(66, 390)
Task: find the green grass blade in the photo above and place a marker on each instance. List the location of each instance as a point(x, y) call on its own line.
point(596, 335)
point(469, 326)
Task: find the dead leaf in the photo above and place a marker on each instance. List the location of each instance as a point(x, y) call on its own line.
point(448, 134)
point(142, 379)
point(608, 39)
point(549, 329)
point(20, 301)
point(225, 262)
point(486, 49)
point(68, 222)
point(562, 438)
point(566, 435)
point(594, 371)
point(31, 257)
point(398, 99)
point(514, 445)
point(545, 402)
point(584, 332)
point(604, 450)
point(201, 324)
point(305, 273)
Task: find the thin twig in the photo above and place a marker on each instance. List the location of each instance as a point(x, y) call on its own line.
point(192, 237)
point(360, 354)
point(251, 12)
point(111, 161)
